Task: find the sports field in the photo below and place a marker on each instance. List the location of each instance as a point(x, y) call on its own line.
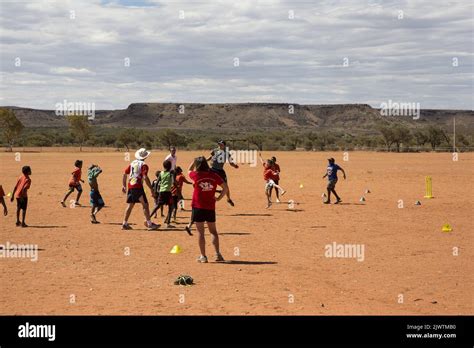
point(276, 262)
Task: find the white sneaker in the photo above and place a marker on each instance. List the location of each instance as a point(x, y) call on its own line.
point(202, 259)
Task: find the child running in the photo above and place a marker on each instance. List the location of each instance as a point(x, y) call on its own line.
point(2, 201)
point(156, 189)
point(166, 180)
point(219, 157)
point(20, 192)
point(276, 179)
point(269, 176)
point(96, 200)
point(204, 204)
point(177, 189)
point(331, 173)
point(75, 183)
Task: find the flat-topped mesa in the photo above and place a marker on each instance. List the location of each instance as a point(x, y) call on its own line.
point(356, 118)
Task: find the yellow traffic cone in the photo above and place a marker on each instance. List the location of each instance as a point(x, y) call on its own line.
point(446, 228)
point(176, 249)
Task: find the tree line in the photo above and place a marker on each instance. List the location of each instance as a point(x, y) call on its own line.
point(388, 137)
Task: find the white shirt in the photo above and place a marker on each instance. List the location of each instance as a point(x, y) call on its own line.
point(172, 160)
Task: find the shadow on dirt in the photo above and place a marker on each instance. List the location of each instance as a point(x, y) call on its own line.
point(234, 262)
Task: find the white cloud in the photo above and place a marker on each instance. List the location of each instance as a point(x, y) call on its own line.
point(281, 60)
point(67, 70)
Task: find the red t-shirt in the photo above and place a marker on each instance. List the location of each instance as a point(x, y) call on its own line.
point(136, 170)
point(205, 185)
point(276, 169)
point(178, 184)
point(268, 173)
point(76, 177)
point(22, 186)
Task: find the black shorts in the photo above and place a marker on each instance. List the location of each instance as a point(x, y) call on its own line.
point(22, 203)
point(203, 215)
point(332, 184)
point(175, 200)
point(134, 194)
point(164, 198)
point(221, 173)
point(96, 199)
point(78, 187)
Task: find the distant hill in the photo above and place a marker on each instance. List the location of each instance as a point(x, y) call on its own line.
point(356, 118)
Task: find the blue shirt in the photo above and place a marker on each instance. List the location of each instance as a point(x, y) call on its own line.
point(332, 171)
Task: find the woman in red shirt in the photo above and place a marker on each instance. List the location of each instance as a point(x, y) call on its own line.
point(204, 204)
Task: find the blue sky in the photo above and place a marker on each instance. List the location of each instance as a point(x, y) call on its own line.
point(130, 3)
point(306, 52)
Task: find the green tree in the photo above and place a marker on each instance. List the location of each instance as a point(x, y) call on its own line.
point(11, 127)
point(292, 141)
point(310, 141)
point(323, 140)
point(308, 145)
point(168, 138)
point(421, 138)
point(388, 136)
point(127, 137)
point(80, 128)
point(401, 134)
point(463, 140)
point(256, 139)
point(39, 140)
point(436, 135)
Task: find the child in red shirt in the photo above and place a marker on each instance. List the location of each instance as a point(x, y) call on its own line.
point(75, 183)
point(270, 176)
point(176, 190)
point(20, 192)
point(276, 179)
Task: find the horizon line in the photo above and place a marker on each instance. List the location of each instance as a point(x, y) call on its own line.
point(236, 103)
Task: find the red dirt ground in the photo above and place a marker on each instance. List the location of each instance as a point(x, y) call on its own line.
point(281, 267)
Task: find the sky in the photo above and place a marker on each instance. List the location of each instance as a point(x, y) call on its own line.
point(117, 52)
